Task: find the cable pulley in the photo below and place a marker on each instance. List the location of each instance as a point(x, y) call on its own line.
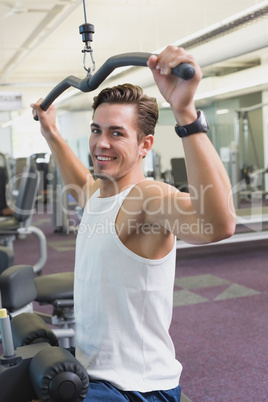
point(91, 82)
point(87, 30)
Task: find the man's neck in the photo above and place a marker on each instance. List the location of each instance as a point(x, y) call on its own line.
point(111, 187)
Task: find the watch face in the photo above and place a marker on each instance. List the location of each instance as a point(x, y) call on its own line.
point(203, 120)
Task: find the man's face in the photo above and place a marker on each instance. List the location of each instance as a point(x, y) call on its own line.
point(113, 141)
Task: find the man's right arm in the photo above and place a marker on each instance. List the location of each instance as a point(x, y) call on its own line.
point(74, 173)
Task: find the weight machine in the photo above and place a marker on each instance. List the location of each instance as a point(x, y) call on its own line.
point(92, 82)
point(34, 366)
point(252, 175)
point(20, 222)
point(19, 288)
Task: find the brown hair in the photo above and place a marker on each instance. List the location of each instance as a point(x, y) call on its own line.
point(147, 109)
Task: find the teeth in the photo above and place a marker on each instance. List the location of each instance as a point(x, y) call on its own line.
point(104, 158)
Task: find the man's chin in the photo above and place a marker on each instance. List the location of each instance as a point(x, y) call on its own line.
point(100, 176)
point(103, 176)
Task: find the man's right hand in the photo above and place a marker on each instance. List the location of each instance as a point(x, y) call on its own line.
point(47, 119)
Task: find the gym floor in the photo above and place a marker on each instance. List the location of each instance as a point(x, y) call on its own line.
point(219, 325)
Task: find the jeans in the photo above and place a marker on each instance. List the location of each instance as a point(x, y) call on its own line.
point(103, 391)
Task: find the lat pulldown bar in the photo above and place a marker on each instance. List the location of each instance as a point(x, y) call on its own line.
point(90, 83)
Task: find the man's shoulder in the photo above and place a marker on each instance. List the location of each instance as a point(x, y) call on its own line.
point(142, 194)
point(88, 190)
point(149, 188)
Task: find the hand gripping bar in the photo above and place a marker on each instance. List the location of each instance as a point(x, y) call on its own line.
point(90, 83)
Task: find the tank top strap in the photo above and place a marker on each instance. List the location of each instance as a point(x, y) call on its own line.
point(109, 206)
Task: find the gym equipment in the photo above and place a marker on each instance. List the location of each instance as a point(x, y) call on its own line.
point(58, 202)
point(6, 258)
point(250, 165)
point(33, 366)
point(41, 162)
point(5, 174)
point(19, 288)
point(19, 223)
point(90, 83)
point(3, 181)
point(57, 290)
point(6, 162)
point(179, 173)
point(152, 165)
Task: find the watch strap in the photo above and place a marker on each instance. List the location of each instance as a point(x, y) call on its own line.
point(197, 126)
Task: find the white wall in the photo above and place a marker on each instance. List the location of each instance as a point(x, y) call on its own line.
point(75, 129)
point(74, 124)
point(5, 135)
point(168, 145)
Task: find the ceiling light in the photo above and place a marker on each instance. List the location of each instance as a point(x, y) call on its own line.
point(222, 111)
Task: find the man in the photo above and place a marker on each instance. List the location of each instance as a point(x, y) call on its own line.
point(125, 254)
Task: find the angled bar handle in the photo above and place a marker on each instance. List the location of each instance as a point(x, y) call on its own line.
point(90, 83)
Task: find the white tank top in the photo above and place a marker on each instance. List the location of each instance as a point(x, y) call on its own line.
point(123, 305)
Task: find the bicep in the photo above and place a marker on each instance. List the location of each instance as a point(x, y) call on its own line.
point(175, 213)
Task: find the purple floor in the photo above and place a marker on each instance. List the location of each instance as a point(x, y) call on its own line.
point(220, 321)
point(221, 338)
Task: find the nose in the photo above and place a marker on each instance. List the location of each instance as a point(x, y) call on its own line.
point(103, 141)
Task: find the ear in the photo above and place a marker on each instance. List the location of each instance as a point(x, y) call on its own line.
point(146, 144)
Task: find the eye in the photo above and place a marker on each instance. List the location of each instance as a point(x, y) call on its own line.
point(117, 134)
point(95, 130)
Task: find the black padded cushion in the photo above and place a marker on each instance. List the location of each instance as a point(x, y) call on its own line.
point(6, 258)
point(57, 376)
point(17, 286)
point(3, 181)
point(27, 192)
point(54, 286)
point(29, 328)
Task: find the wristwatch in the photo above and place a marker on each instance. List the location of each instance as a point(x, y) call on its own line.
point(200, 125)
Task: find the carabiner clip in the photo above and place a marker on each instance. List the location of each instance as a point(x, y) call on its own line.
point(92, 68)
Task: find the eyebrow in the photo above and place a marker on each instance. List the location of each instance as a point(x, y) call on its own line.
point(110, 127)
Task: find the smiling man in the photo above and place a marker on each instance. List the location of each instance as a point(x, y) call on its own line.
point(114, 147)
point(126, 243)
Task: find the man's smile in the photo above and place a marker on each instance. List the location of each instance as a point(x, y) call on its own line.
point(105, 158)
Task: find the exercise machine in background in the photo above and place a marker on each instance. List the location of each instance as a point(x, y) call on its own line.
point(33, 366)
point(251, 172)
point(20, 287)
point(20, 222)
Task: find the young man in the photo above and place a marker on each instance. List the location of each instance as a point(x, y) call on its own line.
point(125, 254)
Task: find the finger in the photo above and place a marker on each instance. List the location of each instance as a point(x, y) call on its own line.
point(35, 115)
point(37, 104)
point(183, 57)
point(36, 109)
point(152, 62)
point(166, 56)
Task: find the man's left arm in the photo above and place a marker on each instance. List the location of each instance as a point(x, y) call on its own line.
point(210, 194)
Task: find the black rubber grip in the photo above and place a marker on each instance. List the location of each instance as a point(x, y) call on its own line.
point(184, 71)
point(90, 83)
point(57, 376)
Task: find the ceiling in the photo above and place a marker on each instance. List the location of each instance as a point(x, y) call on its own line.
point(40, 43)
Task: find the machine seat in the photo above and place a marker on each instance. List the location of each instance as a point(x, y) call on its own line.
point(54, 286)
point(9, 224)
